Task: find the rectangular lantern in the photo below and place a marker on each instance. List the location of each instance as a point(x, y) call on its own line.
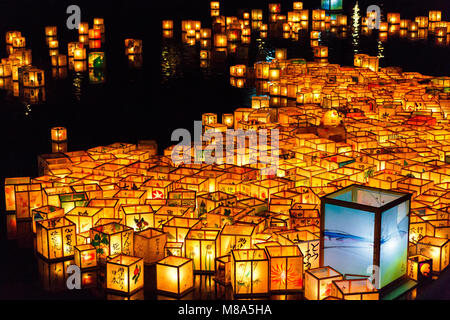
point(150, 244)
point(125, 274)
point(220, 40)
point(234, 237)
point(44, 213)
point(33, 78)
point(437, 249)
point(55, 238)
point(286, 268)
point(79, 54)
point(138, 217)
point(83, 28)
point(167, 24)
point(110, 239)
point(249, 272)
point(420, 268)
point(27, 197)
point(10, 196)
point(59, 60)
point(364, 226)
point(202, 246)
point(85, 256)
point(174, 276)
point(84, 218)
point(354, 289)
point(59, 134)
point(318, 282)
point(223, 270)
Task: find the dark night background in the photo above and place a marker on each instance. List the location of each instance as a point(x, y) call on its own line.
point(135, 105)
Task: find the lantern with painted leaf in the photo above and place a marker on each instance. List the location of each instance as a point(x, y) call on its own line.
point(249, 272)
point(354, 289)
point(150, 244)
point(85, 256)
point(125, 274)
point(59, 60)
point(202, 246)
point(110, 239)
point(437, 249)
point(83, 28)
point(354, 213)
point(55, 238)
point(420, 268)
point(44, 213)
point(285, 267)
point(174, 276)
point(318, 282)
point(96, 60)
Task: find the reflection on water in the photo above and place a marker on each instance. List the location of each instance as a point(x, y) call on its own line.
point(169, 60)
point(355, 28)
point(77, 84)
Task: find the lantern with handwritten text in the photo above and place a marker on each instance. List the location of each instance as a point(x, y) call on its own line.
point(150, 244)
point(125, 274)
point(55, 238)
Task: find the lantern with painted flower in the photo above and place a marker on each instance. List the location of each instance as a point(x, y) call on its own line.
point(55, 238)
point(202, 246)
point(285, 268)
point(139, 217)
point(125, 274)
point(174, 276)
point(249, 272)
point(318, 282)
point(85, 256)
point(110, 239)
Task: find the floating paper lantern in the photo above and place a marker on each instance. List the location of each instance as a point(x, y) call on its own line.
point(174, 249)
point(84, 218)
point(133, 46)
point(318, 15)
point(27, 198)
point(44, 213)
point(420, 268)
point(223, 270)
point(370, 206)
point(286, 268)
point(10, 35)
point(228, 120)
point(51, 31)
point(150, 244)
point(56, 238)
point(437, 249)
point(111, 239)
point(297, 5)
point(393, 18)
point(125, 274)
point(354, 289)
point(257, 14)
point(422, 22)
point(5, 70)
point(320, 52)
point(79, 54)
point(96, 60)
point(281, 54)
point(174, 276)
point(220, 40)
point(59, 60)
point(318, 282)
point(18, 42)
point(95, 34)
point(83, 28)
point(274, 7)
point(59, 134)
point(434, 16)
point(85, 256)
point(202, 247)
point(249, 272)
point(215, 5)
point(10, 196)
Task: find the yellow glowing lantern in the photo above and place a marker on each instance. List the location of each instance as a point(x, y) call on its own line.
point(5, 70)
point(44, 213)
point(420, 268)
point(27, 197)
point(110, 239)
point(331, 118)
point(84, 218)
point(202, 247)
point(441, 32)
point(234, 237)
point(95, 34)
point(10, 35)
point(249, 272)
point(59, 134)
point(79, 54)
point(320, 52)
point(55, 238)
point(220, 40)
point(436, 249)
point(215, 5)
point(285, 268)
point(209, 118)
point(223, 270)
point(10, 197)
point(318, 282)
point(174, 249)
point(413, 26)
point(393, 18)
point(79, 66)
point(59, 60)
point(167, 24)
point(281, 54)
point(318, 15)
point(150, 244)
point(274, 74)
point(384, 26)
point(354, 289)
point(51, 31)
point(228, 120)
point(422, 22)
point(139, 217)
point(125, 274)
point(174, 276)
point(434, 16)
point(83, 28)
point(133, 46)
point(85, 256)
point(71, 46)
point(274, 7)
point(257, 14)
point(297, 5)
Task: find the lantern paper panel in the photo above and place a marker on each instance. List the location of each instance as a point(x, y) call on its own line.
point(174, 276)
point(202, 246)
point(125, 274)
point(55, 238)
point(354, 289)
point(286, 268)
point(111, 239)
point(249, 272)
point(420, 268)
point(149, 244)
point(318, 282)
point(437, 249)
point(85, 256)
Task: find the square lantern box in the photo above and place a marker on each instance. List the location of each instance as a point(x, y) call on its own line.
point(437, 249)
point(234, 237)
point(110, 239)
point(307, 242)
point(110, 206)
point(420, 268)
point(174, 249)
point(177, 228)
point(138, 217)
point(174, 276)
point(72, 200)
point(318, 282)
point(181, 198)
point(84, 218)
point(286, 268)
point(210, 201)
point(249, 272)
point(150, 244)
point(44, 213)
point(55, 238)
point(354, 289)
point(362, 227)
point(202, 246)
point(85, 256)
point(10, 196)
point(125, 274)
point(27, 197)
point(223, 270)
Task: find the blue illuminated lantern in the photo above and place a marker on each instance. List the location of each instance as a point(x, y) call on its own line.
point(332, 4)
point(364, 231)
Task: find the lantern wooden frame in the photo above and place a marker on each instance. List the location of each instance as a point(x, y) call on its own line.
point(85, 256)
point(150, 245)
point(174, 276)
point(125, 274)
point(56, 238)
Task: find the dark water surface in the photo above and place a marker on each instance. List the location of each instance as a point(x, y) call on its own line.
point(169, 92)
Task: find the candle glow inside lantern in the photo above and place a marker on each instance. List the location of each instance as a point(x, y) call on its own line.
point(228, 120)
point(110, 239)
point(150, 244)
point(167, 24)
point(364, 226)
point(174, 276)
point(125, 274)
point(83, 28)
point(10, 35)
point(220, 40)
point(249, 272)
point(59, 134)
point(437, 249)
point(55, 238)
point(44, 213)
point(318, 282)
point(202, 247)
point(79, 53)
point(420, 268)
point(354, 289)
point(286, 268)
point(85, 256)
point(33, 78)
point(320, 52)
